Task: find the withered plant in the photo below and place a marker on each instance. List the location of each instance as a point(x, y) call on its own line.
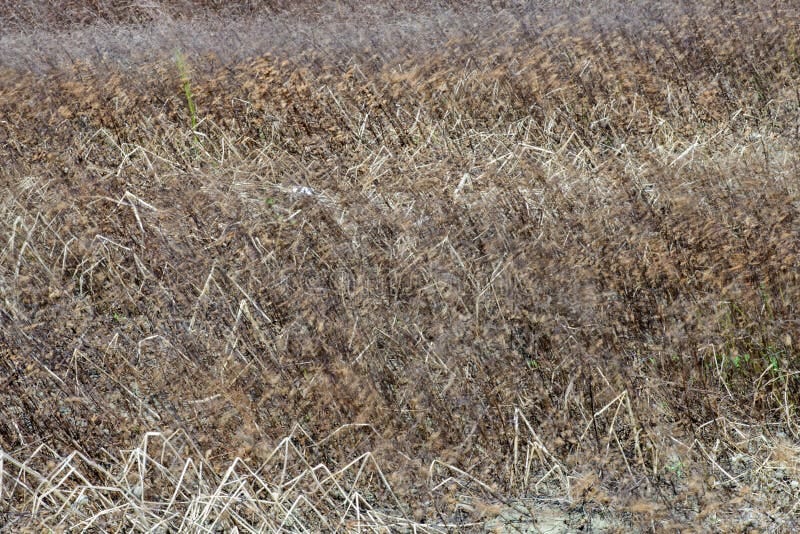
point(445, 266)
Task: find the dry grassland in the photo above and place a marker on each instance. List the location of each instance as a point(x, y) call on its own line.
point(397, 267)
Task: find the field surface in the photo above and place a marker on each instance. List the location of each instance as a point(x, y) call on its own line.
point(399, 267)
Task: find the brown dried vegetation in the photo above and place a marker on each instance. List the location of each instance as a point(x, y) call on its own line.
point(550, 254)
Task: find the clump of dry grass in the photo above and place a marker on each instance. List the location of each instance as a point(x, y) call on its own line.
point(165, 484)
point(553, 257)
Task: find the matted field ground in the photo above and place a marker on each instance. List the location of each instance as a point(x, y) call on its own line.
point(411, 266)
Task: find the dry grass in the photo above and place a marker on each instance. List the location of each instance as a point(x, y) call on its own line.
point(414, 266)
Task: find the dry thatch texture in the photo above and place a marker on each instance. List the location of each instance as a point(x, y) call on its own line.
point(395, 274)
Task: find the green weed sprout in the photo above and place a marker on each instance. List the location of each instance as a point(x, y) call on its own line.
point(183, 69)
